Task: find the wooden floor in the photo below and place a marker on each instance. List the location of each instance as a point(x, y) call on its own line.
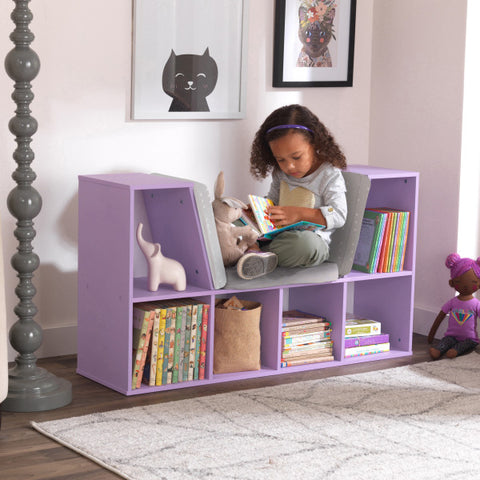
point(26, 454)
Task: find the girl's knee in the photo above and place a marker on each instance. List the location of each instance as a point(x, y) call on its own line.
point(304, 249)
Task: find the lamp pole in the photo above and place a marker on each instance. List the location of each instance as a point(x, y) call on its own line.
point(30, 388)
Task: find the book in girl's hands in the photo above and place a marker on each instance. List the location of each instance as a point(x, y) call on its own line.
point(268, 229)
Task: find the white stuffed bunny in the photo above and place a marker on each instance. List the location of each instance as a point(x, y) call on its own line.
point(233, 240)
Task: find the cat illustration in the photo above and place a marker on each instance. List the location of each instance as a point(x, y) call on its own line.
point(315, 32)
point(189, 79)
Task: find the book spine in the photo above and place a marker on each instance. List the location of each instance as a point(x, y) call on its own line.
point(198, 343)
point(367, 350)
point(141, 322)
point(305, 361)
point(187, 334)
point(193, 340)
point(161, 346)
point(362, 330)
point(144, 350)
point(305, 338)
point(170, 347)
point(177, 347)
point(154, 352)
point(369, 340)
point(203, 342)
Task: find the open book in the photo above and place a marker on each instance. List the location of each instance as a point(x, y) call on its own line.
point(262, 223)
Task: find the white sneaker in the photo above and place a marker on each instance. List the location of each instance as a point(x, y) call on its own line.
point(256, 264)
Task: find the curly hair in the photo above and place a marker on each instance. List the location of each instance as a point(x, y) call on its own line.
point(262, 161)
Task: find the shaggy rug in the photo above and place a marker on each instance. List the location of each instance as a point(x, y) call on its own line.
point(415, 422)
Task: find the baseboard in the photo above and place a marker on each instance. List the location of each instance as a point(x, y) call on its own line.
point(423, 320)
point(61, 340)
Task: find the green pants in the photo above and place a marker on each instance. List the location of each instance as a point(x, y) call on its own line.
point(296, 248)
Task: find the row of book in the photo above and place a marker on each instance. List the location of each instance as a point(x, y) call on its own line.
point(364, 337)
point(306, 338)
point(383, 241)
point(169, 341)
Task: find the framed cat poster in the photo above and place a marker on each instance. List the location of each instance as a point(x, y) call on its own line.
point(314, 43)
point(189, 59)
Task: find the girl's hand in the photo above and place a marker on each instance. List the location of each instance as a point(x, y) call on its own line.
point(283, 216)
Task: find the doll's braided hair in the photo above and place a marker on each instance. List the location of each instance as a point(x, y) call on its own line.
point(262, 161)
point(458, 265)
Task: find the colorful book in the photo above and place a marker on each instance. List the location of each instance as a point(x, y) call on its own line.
point(367, 340)
point(143, 318)
point(154, 346)
point(360, 327)
point(186, 338)
point(161, 346)
point(203, 342)
point(178, 346)
point(302, 339)
point(196, 316)
point(304, 361)
point(169, 346)
point(303, 330)
point(259, 206)
point(367, 350)
point(371, 234)
point(297, 317)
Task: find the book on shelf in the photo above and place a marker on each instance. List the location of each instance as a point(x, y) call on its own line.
point(150, 371)
point(267, 228)
point(369, 242)
point(291, 318)
point(360, 327)
point(161, 345)
point(367, 340)
point(367, 350)
point(169, 344)
point(196, 308)
point(318, 348)
point(300, 339)
point(201, 364)
point(383, 241)
point(304, 361)
point(143, 318)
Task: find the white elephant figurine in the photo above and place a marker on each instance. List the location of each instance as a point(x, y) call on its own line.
point(161, 270)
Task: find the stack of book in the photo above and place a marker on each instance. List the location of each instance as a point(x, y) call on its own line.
point(169, 342)
point(383, 241)
point(306, 338)
point(364, 337)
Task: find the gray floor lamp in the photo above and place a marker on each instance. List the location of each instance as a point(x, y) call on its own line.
point(30, 388)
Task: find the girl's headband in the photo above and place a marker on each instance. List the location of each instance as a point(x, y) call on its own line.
point(283, 127)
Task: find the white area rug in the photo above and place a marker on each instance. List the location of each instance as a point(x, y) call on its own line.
point(415, 422)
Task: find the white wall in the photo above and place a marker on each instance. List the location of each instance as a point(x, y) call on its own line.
point(81, 103)
point(416, 124)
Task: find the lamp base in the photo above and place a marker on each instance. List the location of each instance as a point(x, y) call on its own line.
point(35, 391)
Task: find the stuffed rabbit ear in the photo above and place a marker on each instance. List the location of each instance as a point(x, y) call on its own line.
point(234, 203)
point(219, 186)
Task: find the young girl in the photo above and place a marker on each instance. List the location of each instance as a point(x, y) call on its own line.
point(461, 336)
point(307, 184)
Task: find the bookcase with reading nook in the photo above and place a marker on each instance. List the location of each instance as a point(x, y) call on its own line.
point(135, 340)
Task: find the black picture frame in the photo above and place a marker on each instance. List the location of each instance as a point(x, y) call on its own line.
point(332, 70)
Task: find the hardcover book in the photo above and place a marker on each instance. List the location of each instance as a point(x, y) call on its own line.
point(359, 327)
point(367, 350)
point(259, 206)
point(143, 318)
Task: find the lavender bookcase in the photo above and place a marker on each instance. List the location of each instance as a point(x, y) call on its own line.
point(112, 277)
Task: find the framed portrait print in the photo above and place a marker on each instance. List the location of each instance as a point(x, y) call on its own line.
point(314, 43)
point(189, 59)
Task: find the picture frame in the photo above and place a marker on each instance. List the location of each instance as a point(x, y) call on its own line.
point(314, 43)
point(188, 59)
